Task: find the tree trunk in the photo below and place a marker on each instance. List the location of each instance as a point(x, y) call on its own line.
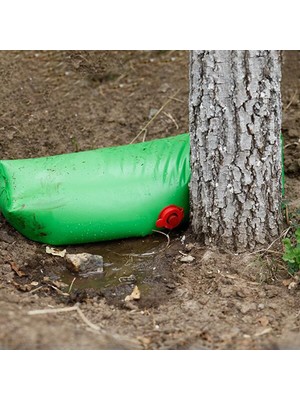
point(235, 123)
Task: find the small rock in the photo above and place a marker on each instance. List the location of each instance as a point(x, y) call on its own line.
point(187, 259)
point(131, 306)
point(227, 281)
point(85, 263)
point(203, 300)
point(122, 121)
point(10, 135)
point(271, 292)
point(170, 285)
point(245, 308)
point(189, 246)
point(6, 268)
point(240, 293)
point(247, 319)
point(261, 306)
point(5, 237)
point(164, 88)
point(273, 306)
point(208, 255)
point(209, 275)
point(152, 112)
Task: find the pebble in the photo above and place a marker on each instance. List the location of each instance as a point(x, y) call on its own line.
point(5, 237)
point(187, 259)
point(189, 246)
point(85, 263)
point(274, 306)
point(6, 268)
point(245, 308)
point(240, 293)
point(152, 112)
point(164, 88)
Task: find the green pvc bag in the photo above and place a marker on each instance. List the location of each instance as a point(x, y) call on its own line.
point(96, 195)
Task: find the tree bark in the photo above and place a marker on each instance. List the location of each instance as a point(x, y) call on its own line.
point(235, 123)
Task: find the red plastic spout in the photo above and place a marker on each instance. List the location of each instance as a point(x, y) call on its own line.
point(170, 217)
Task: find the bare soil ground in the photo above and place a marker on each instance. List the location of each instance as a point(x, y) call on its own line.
point(55, 102)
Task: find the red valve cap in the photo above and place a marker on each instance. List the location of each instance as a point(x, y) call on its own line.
point(170, 217)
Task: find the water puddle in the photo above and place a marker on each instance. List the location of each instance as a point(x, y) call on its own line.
point(125, 261)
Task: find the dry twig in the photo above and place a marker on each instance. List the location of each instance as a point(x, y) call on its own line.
point(36, 289)
point(67, 309)
point(52, 310)
point(291, 101)
point(171, 118)
point(58, 290)
point(153, 118)
point(165, 234)
point(174, 98)
point(267, 250)
point(86, 321)
point(292, 144)
point(71, 285)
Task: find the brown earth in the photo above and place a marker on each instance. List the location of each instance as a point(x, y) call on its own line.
point(55, 102)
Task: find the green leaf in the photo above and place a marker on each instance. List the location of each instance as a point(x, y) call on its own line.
point(292, 253)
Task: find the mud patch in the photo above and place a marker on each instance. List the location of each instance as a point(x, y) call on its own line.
point(142, 262)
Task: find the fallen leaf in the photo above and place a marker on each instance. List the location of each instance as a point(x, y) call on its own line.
point(16, 269)
point(286, 282)
point(135, 295)
point(55, 252)
point(292, 285)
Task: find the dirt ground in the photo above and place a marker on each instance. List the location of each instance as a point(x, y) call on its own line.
point(55, 102)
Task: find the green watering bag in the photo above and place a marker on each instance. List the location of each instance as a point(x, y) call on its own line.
point(95, 195)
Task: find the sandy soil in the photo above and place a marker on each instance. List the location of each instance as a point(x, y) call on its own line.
point(60, 102)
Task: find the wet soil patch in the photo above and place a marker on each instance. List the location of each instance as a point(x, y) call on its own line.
point(142, 262)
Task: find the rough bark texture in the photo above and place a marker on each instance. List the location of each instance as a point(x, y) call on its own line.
point(235, 123)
